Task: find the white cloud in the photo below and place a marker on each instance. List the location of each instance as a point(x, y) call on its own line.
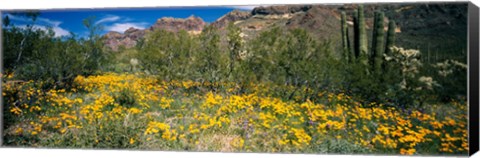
point(42, 21)
point(244, 7)
point(17, 18)
point(109, 18)
point(50, 22)
point(59, 32)
point(42, 24)
point(121, 27)
point(120, 23)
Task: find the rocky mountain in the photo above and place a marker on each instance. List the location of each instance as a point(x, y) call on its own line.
point(191, 24)
point(279, 10)
point(129, 38)
point(419, 25)
point(233, 16)
point(321, 21)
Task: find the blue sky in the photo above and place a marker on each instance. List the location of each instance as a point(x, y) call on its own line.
point(64, 21)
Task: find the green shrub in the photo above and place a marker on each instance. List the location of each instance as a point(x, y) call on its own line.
point(168, 55)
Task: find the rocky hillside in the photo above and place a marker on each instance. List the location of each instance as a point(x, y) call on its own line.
point(421, 26)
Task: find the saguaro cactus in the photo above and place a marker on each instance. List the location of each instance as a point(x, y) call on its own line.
point(377, 41)
point(345, 41)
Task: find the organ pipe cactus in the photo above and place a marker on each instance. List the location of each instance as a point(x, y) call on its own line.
point(345, 41)
point(360, 41)
point(377, 42)
point(390, 36)
point(362, 35)
point(356, 37)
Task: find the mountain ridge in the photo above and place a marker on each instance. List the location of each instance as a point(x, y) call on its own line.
point(435, 21)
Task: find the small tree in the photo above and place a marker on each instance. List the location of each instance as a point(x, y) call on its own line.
point(94, 55)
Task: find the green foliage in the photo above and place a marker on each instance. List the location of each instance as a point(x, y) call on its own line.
point(278, 56)
point(13, 45)
point(295, 59)
point(52, 61)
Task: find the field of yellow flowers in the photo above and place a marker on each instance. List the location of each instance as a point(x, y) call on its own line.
point(137, 111)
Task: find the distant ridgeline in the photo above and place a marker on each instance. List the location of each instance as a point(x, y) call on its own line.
point(430, 27)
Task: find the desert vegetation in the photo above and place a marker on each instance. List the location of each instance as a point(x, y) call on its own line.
point(281, 91)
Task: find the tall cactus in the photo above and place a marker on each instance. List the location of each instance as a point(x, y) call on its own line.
point(360, 41)
point(374, 41)
point(374, 32)
point(345, 41)
point(362, 35)
point(390, 41)
point(377, 42)
point(390, 36)
point(356, 37)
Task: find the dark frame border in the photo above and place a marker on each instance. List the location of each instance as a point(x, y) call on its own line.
point(1, 77)
point(473, 88)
